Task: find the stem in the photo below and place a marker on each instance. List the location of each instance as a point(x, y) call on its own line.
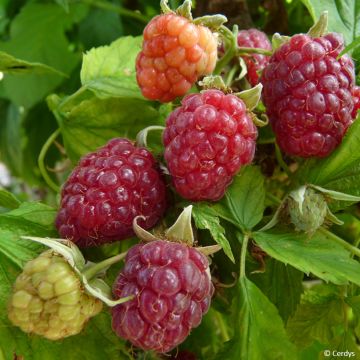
point(247, 50)
point(93, 270)
point(231, 75)
point(117, 9)
point(231, 41)
point(70, 98)
point(243, 256)
point(355, 251)
point(41, 160)
point(273, 198)
point(281, 161)
point(222, 326)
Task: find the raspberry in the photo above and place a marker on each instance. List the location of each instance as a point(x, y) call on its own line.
point(312, 213)
point(356, 97)
point(172, 287)
point(49, 300)
point(175, 53)
point(255, 63)
point(107, 190)
point(307, 93)
point(207, 140)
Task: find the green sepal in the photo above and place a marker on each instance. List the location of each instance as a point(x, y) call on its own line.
point(279, 40)
point(181, 230)
point(320, 27)
point(251, 97)
point(213, 22)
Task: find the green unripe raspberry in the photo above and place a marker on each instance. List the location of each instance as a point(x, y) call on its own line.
point(312, 214)
point(49, 300)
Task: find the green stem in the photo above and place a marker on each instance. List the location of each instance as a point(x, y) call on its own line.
point(230, 76)
point(243, 256)
point(281, 161)
point(231, 45)
point(117, 9)
point(273, 198)
point(246, 50)
point(355, 251)
point(71, 97)
point(41, 160)
point(93, 270)
point(222, 326)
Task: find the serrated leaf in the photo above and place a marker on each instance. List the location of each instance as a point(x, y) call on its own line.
point(341, 170)
point(109, 71)
point(317, 254)
point(10, 64)
point(259, 330)
point(343, 15)
point(8, 200)
point(93, 122)
point(48, 23)
point(315, 321)
point(244, 200)
point(205, 218)
point(279, 282)
point(95, 342)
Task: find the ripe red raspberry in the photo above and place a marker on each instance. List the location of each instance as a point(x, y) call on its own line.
point(107, 190)
point(356, 97)
point(207, 140)
point(172, 287)
point(174, 54)
point(255, 63)
point(307, 93)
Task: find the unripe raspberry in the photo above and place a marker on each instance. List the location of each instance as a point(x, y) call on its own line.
point(207, 140)
point(312, 212)
point(175, 53)
point(172, 287)
point(255, 63)
point(356, 97)
point(49, 300)
point(107, 190)
point(307, 93)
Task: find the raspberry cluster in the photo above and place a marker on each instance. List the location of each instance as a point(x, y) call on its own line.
point(207, 140)
point(172, 288)
point(48, 299)
point(174, 54)
point(356, 97)
point(107, 190)
point(307, 93)
point(255, 63)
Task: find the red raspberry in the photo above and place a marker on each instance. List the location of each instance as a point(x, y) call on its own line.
point(175, 53)
point(255, 63)
point(356, 97)
point(207, 140)
point(307, 93)
point(107, 190)
point(172, 287)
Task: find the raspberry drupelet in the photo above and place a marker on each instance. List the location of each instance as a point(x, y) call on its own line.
point(207, 140)
point(107, 190)
point(175, 53)
point(307, 93)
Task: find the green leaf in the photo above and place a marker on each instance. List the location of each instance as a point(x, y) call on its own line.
point(279, 282)
point(318, 255)
point(244, 200)
point(8, 200)
point(45, 43)
point(351, 46)
point(205, 218)
point(259, 331)
point(316, 319)
point(96, 342)
point(343, 15)
point(12, 65)
point(64, 4)
point(109, 71)
point(341, 170)
point(93, 122)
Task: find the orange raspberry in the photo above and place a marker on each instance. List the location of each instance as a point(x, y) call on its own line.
point(175, 53)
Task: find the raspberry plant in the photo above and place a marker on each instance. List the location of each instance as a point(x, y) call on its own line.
point(203, 168)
